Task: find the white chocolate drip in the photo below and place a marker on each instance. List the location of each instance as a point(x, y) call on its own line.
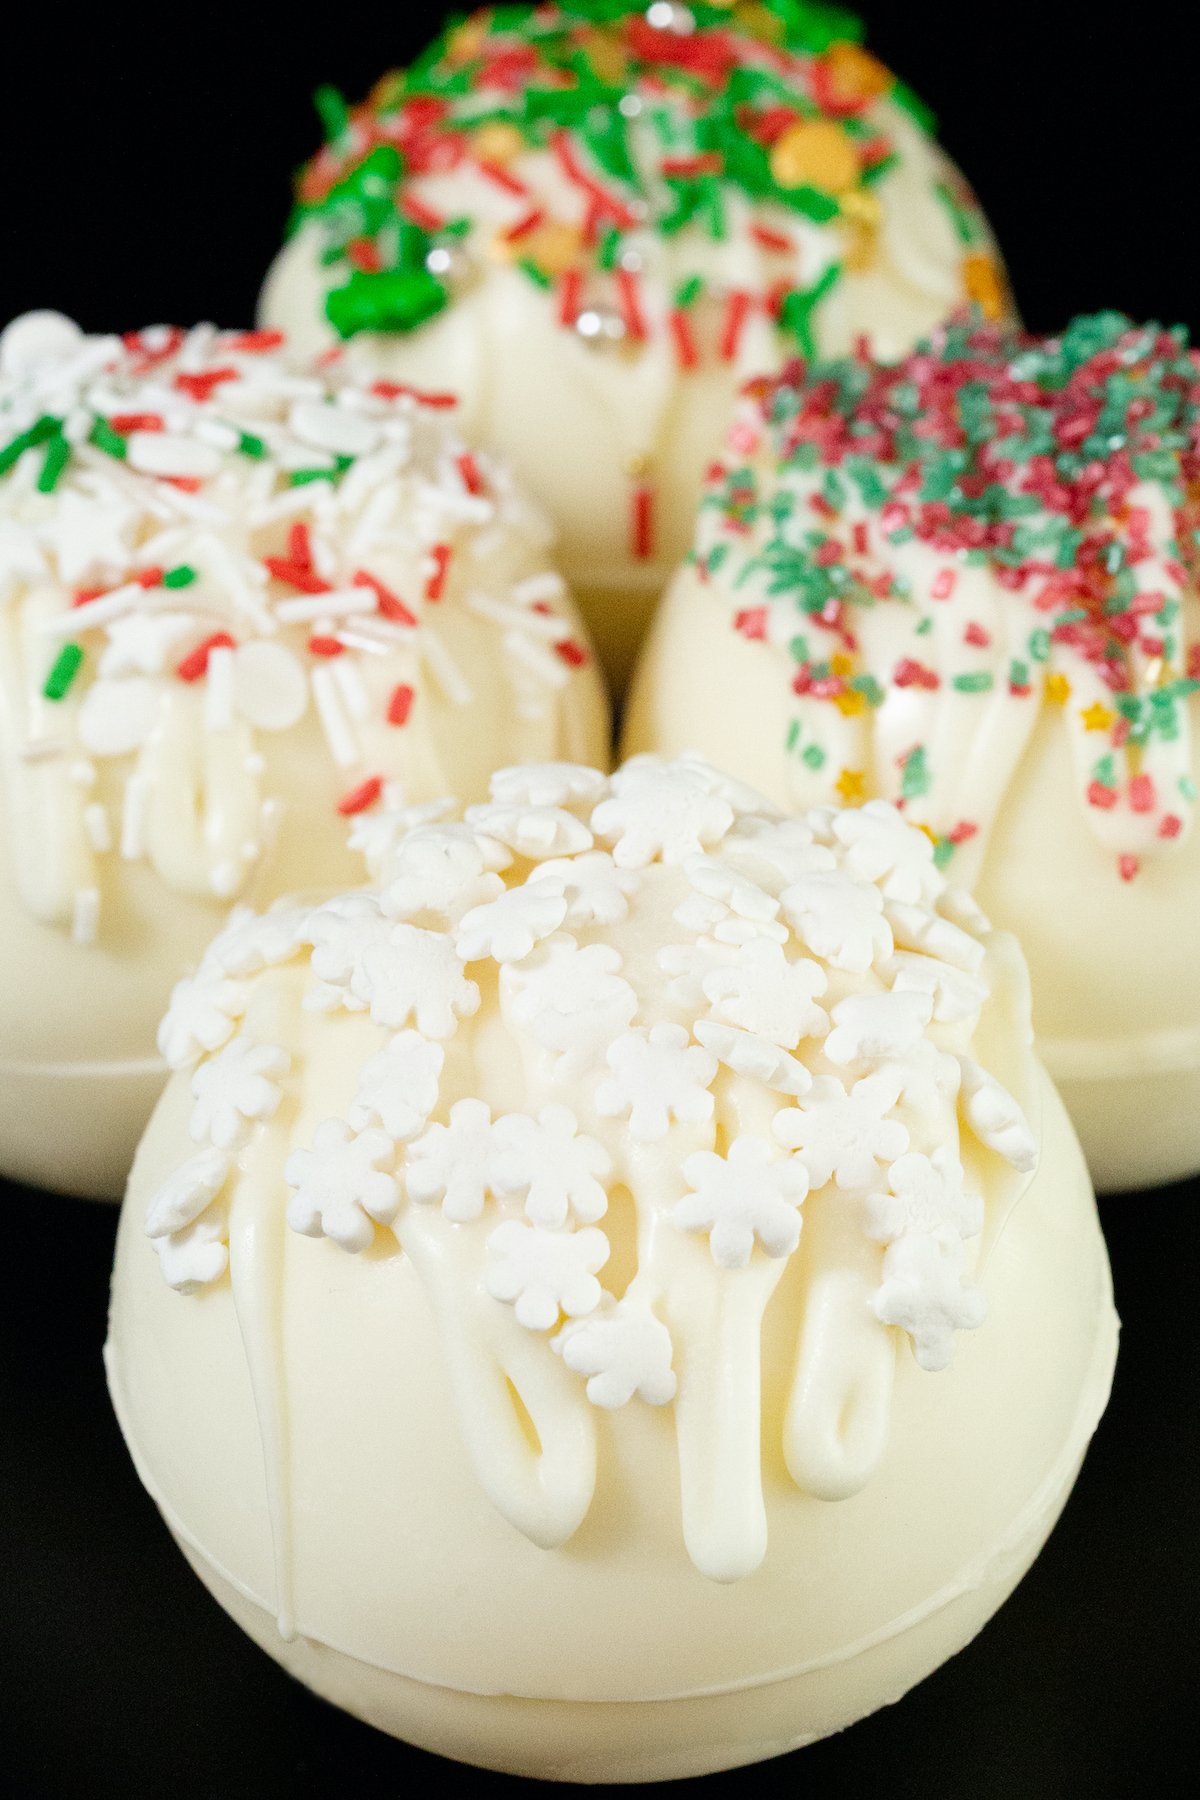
point(496, 1205)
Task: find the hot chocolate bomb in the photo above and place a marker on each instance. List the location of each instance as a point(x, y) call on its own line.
point(241, 598)
point(640, 1301)
point(595, 221)
point(966, 583)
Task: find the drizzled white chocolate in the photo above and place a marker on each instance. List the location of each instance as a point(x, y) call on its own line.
point(206, 543)
point(768, 1036)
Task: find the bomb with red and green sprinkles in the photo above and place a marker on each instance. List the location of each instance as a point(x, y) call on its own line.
point(249, 605)
point(966, 582)
point(596, 219)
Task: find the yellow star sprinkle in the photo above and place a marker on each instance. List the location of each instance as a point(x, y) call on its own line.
point(851, 786)
point(1096, 717)
point(851, 703)
point(1058, 689)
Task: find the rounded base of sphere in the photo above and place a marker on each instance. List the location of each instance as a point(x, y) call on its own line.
point(72, 1128)
point(421, 1610)
point(650, 1740)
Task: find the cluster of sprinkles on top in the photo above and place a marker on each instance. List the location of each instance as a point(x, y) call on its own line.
point(815, 995)
point(200, 534)
point(604, 126)
point(1032, 507)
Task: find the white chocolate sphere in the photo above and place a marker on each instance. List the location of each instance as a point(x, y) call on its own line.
point(711, 1363)
point(230, 625)
point(596, 285)
point(1039, 720)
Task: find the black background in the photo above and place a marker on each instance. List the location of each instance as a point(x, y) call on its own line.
point(144, 161)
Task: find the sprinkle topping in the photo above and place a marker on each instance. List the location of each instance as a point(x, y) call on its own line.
point(205, 540)
point(996, 521)
point(569, 140)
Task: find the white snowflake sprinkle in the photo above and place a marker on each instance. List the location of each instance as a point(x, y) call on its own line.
point(754, 1057)
point(189, 1191)
point(845, 1135)
point(656, 1076)
point(196, 1255)
point(558, 1170)
point(839, 919)
point(573, 1002)
point(253, 941)
point(342, 1188)
point(660, 811)
point(399, 1086)
point(438, 873)
point(508, 928)
point(881, 846)
point(623, 1350)
point(996, 1118)
point(877, 1027)
point(376, 835)
point(534, 832)
point(201, 1016)
point(956, 995)
point(916, 928)
point(237, 1088)
point(457, 1163)
point(548, 784)
point(416, 975)
point(924, 1292)
point(597, 892)
point(340, 933)
point(743, 1197)
point(925, 1194)
point(764, 993)
point(544, 1274)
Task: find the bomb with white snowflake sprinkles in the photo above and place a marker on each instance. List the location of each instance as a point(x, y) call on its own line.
point(245, 600)
point(597, 219)
point(639, 1301)
point(967, 584)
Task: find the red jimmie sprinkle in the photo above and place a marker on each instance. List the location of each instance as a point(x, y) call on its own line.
point(573, 654)
point(440, 557)
point(684, 339)
point(400, 704)
point(195, 663)
point(124, 423)
point(944, 582)
point(256, 343)
point(570, 295)
point(641, 535)
point(685, 167)
point(469, 469)
point(501, 178)
point(776, 241)
point(1103, 797)
point(1127, 867)
point(201, 386)
point(420, 214)
point(975, 634)
point(149, 578)
point(363, 254)
point(1170, 826)
point(359, 798)
point(737, 312)
point(326, 646)
point(390, 605)
point(528, 222)
point(630, 296)
point(400, 390)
